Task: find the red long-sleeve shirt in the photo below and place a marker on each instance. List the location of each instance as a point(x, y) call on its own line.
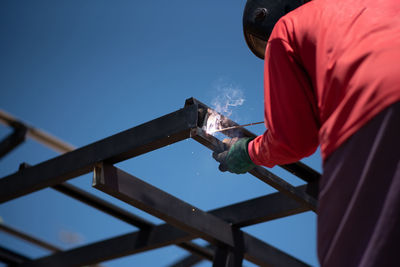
point(330, 66)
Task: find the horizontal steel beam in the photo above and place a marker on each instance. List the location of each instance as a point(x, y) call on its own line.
point(276, 205)
point(138, 140)
point(186, 217)
point(261, 173)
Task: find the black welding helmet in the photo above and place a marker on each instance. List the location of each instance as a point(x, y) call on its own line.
point(259, 18)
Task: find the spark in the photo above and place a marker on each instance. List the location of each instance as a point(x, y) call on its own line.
point(213, 122)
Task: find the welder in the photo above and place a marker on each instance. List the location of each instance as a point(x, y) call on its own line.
point(332, 79)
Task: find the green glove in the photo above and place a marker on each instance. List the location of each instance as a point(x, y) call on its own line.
point(236, 159)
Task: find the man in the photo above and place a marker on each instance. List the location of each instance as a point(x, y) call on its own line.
point(332, 79)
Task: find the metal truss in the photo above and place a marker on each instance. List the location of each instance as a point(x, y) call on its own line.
point(229, 245)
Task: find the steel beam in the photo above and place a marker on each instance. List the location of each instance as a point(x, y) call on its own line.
point(261, 173)
point(138, 140)
point(298, 169)
point(284, 187)
point(186, 217)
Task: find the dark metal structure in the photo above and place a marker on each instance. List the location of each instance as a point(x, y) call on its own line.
point(229, 245)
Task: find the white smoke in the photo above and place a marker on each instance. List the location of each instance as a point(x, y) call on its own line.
point(228, 97)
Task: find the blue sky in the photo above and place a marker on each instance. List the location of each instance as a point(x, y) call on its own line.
point(84, 70)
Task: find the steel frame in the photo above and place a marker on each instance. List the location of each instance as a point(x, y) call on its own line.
point(221, 227)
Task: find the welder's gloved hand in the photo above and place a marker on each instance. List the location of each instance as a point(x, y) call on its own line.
point(236, 159)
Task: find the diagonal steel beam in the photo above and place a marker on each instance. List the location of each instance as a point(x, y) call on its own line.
point(130, 143)
point(261, 173)
point(186, 217)
point(298, 169)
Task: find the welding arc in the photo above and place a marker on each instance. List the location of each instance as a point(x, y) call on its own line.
point(238, 126)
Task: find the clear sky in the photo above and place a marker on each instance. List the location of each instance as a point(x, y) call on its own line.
point(84, 70)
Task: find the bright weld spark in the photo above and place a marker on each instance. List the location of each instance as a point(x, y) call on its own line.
point(213, 122)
